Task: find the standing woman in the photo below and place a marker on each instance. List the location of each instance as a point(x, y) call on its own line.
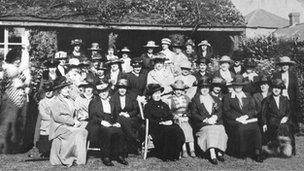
point(206, 116)
point(14, 101)
point(168, 138)
point(68, 139)
point(241, 122)
point(204, 50)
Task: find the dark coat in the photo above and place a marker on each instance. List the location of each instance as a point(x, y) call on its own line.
point(198, 75)
point(157, 111)
point(137, 84)
point(148, 64)
point(131, 105)
point(237, 73)
point(258, 98)
point(200, 113)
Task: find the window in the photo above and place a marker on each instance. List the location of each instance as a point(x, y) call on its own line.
point(11, 37)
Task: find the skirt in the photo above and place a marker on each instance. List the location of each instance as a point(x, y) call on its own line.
point(212, 136)
point(44, 144)
point(69, 148)
point(187, 129)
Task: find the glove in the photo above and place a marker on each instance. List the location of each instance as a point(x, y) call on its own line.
point(284, 119)
point(117, 125)
point(105, 123)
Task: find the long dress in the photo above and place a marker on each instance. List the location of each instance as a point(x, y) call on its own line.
point(209, 136)
point(167, 139)
point(68, 142)
point(243, 139)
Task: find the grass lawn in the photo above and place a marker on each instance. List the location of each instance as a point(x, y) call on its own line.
point(16, 162)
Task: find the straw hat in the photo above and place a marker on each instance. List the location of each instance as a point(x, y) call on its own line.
point(94, 46)
point(151, 44)
point(225, 59)
point(61, 55)
point(204, 43)
point(186, 65)
point(76, 42)
point(166, 41)
point(125, 50)
point(179, 85)
point(285, 60)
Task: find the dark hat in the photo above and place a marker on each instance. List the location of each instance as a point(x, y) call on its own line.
point(239, 80)
point(204, 82)
point(136, 62)
point(250, 63)
point(178, 45)
point(122, 83)
point(76, 42)
point(47, 86)
point(13, 55)
point(151, 44)
point(51, 63)
point(263, 79)
point(285, 60)
point(278, 83)
point(218, 82)
point(61, 82)
point(238, 55)
point(179, 85)
point(203, 60)
point(94, 46)
point(152, 88)
point(89, 81)
point(102, 87)
point(84, 64)
point(114, 61)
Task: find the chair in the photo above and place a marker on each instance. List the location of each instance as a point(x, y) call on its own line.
point(147, 144)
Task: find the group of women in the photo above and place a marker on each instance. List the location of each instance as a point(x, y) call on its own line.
point(92, 101)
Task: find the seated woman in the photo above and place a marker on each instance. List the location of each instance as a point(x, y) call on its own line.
point(179, 104)
point(206, 117)
point(241, 122)
point(168, 138)
point(104, 130)
point(68, 140)
point(276, 121)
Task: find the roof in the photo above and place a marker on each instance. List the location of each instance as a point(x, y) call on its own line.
point(291, 32)
point(265, 19)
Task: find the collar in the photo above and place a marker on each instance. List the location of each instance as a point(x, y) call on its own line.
point(135, 73)
point(242, 94)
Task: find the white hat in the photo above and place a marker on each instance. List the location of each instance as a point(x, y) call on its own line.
point(166, 41)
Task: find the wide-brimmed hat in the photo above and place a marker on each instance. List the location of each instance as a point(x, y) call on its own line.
point(239, 80)
point(136, 62)
point(152, 88)
point(250, 63)
point(186, 65)
point(263, 79)
point(178, 45)
point(84, 64)
point(166, 41)
point(125, 50)
point(204, 81)
point(190, 42)
point(96, 58)
point(277, 83)
point(94, 46)
point(114, 61)
point(102, 87)
point(225, 59)
point(13, 55)
point(47, 86)
point(218, 82)
point(76, 42)
point(61, 55)
point(179, 85)
point(51, 63)
point(151, 44)
point(61, 82)
point(238, 55)
point(202, 60)
point(73, 63)
point(159, 58)
point(122, 83)
point(204, 43)
point(285, 60)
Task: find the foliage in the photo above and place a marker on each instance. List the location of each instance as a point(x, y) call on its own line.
point(267, 50)
point(43, 46)
point(178, 39)
point(180, 12)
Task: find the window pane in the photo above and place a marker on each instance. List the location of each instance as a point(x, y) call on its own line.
point(10, 47)
point(15, 34)
point(1, 52)
point(1, 35)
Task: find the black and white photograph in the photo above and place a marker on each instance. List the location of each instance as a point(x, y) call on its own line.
point(151, 85)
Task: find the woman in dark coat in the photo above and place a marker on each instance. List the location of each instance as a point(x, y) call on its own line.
point(241, 122)
point(168, 138)
point(276, 118)
point(206, 116)
point(104, 130)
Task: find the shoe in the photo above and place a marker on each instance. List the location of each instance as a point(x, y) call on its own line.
point(214, 161)
point(192, 154)
point(185, 154)
point(122, 160)
point(221, 158)
point(107, 161)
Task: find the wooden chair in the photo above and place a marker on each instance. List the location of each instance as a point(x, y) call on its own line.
point(147, 144)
